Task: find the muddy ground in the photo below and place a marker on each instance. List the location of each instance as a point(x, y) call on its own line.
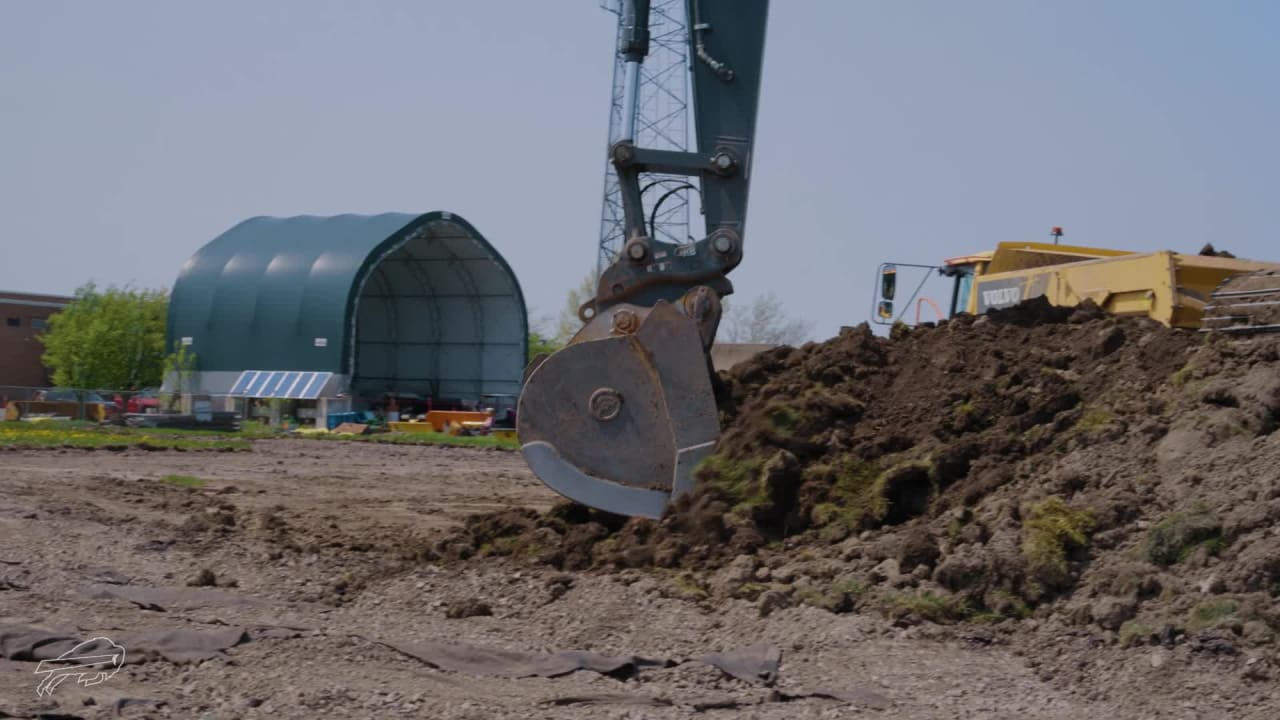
point(322, 553)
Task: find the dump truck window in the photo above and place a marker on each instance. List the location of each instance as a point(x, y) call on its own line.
point(960, 297)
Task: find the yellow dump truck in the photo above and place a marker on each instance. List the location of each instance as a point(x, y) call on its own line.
point(1206, 291)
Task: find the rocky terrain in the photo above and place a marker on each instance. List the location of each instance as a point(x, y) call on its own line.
point(1036, 465)
point(1042, 513)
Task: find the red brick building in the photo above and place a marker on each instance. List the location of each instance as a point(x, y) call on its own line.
point(22, 317)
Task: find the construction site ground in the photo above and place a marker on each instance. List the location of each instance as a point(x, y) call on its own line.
point(315, 549)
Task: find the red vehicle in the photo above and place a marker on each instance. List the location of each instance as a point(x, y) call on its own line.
point(143, 401)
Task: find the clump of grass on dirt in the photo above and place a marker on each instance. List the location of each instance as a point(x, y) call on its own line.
point(1133, 632)
point(1093, 418)
point(1172, 539)
point(865, 495)
point(686, 585)
point(1052, 531)
point(852, 500)
point(1181, 376)
point(931, 606)
point(186, 481)
point(1212, 614)
point(749, 590)
point(783, 418)
point(739, 480)
point(1003, 605)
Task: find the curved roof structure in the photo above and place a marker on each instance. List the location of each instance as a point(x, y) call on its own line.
point(394, 302)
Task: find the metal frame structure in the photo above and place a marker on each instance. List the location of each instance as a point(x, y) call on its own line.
point(661, 117)
point(377, 304)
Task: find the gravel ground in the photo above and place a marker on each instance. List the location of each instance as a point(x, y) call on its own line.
point(313, 545)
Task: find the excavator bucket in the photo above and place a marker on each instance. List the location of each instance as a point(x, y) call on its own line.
point(620, 417)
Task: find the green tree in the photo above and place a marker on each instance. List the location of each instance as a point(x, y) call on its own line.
point(539, 344)
point(108, 339)
point(569, 323)
point(180, 365)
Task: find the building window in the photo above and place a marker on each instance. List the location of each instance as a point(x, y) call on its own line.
point(13, 322)
point(39, 323)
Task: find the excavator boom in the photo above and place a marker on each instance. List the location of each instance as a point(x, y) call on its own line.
point(620, 417)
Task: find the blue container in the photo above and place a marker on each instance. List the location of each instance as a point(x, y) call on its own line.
point(336, 419)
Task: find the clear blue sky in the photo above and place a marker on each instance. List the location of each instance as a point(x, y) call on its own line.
point(133, 132)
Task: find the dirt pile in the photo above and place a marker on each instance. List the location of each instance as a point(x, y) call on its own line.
point(1108, 470)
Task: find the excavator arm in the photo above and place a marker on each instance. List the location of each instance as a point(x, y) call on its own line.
point(619, 418)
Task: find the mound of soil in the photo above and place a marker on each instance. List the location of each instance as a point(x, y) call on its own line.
point(1110, 470)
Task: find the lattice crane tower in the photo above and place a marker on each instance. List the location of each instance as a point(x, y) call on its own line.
point(661, 123)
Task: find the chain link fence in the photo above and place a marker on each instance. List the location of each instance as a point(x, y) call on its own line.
point(96, 405)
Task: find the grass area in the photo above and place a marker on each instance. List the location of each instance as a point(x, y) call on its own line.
point(91, 436)
point(186, 481)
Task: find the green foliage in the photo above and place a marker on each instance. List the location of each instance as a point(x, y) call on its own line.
point(541, 345)
point(182, 363)
point(1052, 530)
point(739, 479)
point(186, 481)
point(108, 339)
point(853, 499)
point(860, 493)
point(1171, 540)
point(1211, 614)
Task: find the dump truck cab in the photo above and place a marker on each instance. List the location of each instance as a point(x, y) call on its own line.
point(1175, 289)
point(964, 270)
